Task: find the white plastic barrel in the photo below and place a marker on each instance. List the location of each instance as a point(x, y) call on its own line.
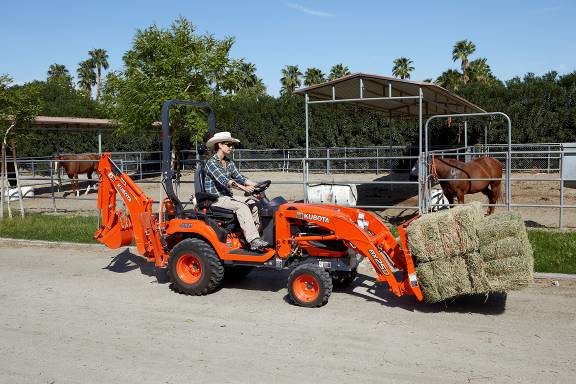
point(339, 194)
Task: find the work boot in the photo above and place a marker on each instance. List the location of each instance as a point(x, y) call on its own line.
point(258, 244)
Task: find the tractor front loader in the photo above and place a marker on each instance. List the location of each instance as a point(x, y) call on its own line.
point(322, 245)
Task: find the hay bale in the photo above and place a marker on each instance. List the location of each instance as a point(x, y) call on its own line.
point(476, 272)
point(499, 226)
point(444, 278)
point(508, 247)
point(445, 234)
point(462, 252)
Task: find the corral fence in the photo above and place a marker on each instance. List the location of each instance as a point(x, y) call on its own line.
point(144, 166)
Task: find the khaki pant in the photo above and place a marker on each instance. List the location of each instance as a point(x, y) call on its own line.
point(246, 211)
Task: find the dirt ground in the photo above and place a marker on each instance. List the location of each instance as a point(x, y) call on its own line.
point(87, 314)
point(289, 185)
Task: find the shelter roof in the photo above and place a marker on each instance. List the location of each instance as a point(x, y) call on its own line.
point(436, 100)
point(72, 122)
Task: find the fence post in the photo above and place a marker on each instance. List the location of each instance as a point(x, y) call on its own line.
point(140, 157)
point(377, 161)
point(548, 159)
point(327, 161)
point(33, 169)
point(561, 221)
point(345, 165)
point(52, 186)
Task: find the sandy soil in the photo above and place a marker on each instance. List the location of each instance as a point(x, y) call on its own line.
point(87, 314)
point(289, 185)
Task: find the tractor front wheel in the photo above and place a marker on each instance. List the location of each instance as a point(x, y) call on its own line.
point(309, 286)
point(195, 268)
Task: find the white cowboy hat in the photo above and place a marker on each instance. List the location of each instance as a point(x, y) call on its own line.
point(221, 137)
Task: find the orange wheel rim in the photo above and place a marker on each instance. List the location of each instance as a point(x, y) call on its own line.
point(306, 288)
point(189, 269)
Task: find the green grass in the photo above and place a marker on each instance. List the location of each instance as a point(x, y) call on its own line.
point(554, 251)
point(75, 229)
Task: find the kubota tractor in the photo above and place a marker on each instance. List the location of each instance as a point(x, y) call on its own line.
point(322, 245)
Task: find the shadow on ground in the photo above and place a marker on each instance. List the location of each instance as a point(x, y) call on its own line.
point(364, 287)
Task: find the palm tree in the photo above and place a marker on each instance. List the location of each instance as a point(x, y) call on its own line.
point(402, 68)
point(99, 58)
point(337, 71)
point(290, 78)
point(313, 76)
point(59, 72)
point(450, 79)
point(248, 73)
point(86, 76)
point(479, 71)
point(463, 49)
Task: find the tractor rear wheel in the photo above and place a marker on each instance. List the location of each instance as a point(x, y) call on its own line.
point(309, 286)
point(195, 268)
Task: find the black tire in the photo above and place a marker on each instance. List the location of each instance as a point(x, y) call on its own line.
point(195, 268)
point(309, 286)
point(343, 279)
point(237, 272)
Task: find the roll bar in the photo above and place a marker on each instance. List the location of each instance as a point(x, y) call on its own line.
point(167, 171)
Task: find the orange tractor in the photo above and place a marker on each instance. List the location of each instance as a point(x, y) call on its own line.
point(322, 245)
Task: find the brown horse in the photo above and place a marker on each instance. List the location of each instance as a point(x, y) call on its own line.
point(75, 165)
point(482, 168)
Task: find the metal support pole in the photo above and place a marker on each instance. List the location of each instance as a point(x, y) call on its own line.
point(377, 161)
point(327, 161)
point(423, 169)
point(52, 186)
point(99, 142)
point(361, 88)
point(466, 156)
point(561, 221)
point(306, 120)
point(140, 157)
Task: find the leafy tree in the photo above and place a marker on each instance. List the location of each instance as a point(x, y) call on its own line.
point(337, 71)
point(99, 59)
point(462, 49)
point(86, 76)
point(59, 73)
point(291, 79)
point(313, 76)
point(173, 63)
point(402, 67)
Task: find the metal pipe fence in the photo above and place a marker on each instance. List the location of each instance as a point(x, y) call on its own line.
point(144, 167)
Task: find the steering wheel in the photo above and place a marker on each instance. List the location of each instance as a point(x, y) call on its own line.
point(260, 187)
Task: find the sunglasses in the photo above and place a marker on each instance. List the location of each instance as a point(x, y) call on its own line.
point(230, 145)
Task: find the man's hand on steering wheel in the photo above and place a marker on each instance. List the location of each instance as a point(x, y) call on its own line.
point(248, 188)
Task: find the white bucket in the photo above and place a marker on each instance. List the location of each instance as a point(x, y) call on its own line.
point(339, 194)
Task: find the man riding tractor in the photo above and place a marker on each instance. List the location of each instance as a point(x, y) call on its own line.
point(222, 176)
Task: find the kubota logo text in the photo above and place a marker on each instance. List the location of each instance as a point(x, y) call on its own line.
point(311, 216)
point(124, 192)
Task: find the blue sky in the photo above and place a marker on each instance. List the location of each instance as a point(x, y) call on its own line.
point(515, 36)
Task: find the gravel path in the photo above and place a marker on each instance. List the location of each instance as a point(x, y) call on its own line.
point(92, 315)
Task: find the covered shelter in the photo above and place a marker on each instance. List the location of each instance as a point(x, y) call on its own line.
point(398, 98)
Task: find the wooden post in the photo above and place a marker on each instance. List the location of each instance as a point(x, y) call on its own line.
point(20, 197)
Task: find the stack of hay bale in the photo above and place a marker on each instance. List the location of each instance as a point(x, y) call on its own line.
point(459, 252)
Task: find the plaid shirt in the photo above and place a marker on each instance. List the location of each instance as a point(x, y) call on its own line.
point(216, 180)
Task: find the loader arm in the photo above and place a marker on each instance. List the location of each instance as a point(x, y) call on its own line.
point(139, 224)
point(374, 241)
